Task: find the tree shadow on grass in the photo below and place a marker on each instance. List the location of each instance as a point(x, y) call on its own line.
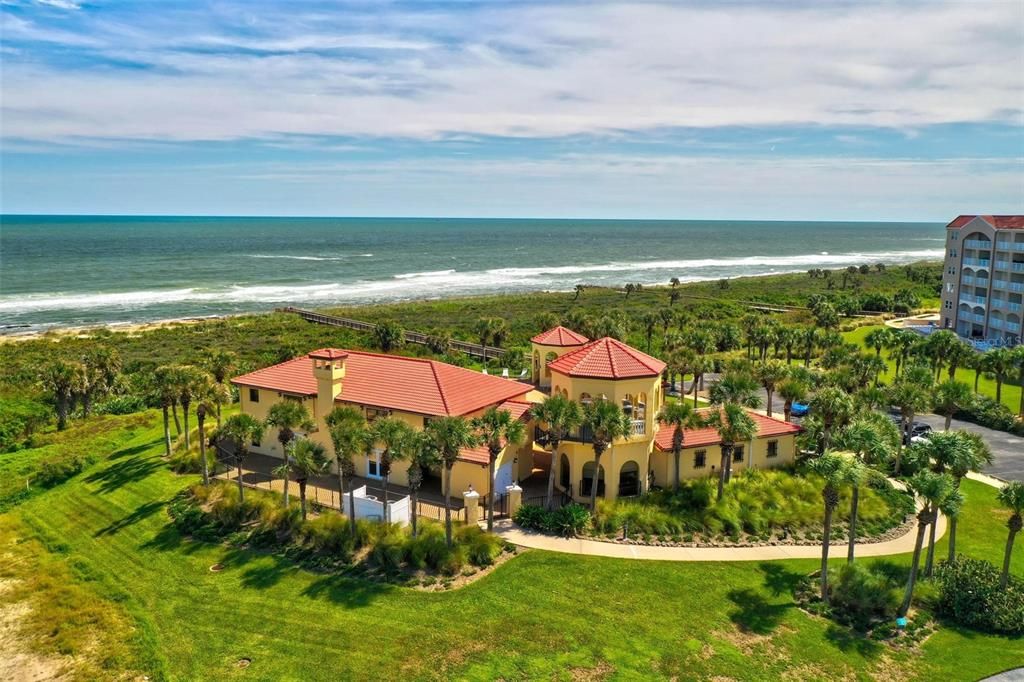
point(266, 571)
point(134, 450)
point(345, 591)
point(141, 512)
point(170, 539)
point(754, 613)
point(846, 640)
point(124, 472)
point(779, 579)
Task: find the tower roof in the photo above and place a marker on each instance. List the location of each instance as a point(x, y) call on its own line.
point(560, 336)
point(607, 358)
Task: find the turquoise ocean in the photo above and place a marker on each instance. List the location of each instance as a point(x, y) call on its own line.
point(84, 270)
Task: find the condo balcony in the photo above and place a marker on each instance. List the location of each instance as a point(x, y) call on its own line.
point(974, 300)
point(977, 244)
point(1010, 246)
point(977, 262)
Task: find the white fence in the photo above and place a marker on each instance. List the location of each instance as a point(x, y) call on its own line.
point(369, 507)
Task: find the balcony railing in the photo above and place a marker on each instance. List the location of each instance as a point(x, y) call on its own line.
point(968, 298)
point(1010, 246)
point(977, 244)
point(1013, 327)
point(1006, 305)
point(995, 324)
point(974, 317)
point(1018, 267)
point(639, 426)
point(977, 263)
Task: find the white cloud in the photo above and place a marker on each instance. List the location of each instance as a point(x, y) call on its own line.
point(525, 70)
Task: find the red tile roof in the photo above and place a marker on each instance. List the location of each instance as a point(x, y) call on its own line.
point(560, 336)
point(480, 455)
point(607, 358)
point(1000, 222)
point(329, 354)
point(394, 382)
point(767, 427)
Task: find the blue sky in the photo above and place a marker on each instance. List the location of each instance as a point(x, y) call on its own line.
point(839, 110)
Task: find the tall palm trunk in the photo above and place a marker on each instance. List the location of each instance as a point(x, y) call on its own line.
point(787, 410)
point(949, 421)
point(852, 543)
point(218, 415)
point(1005, 577)
point(188, 442)
point(550, 499)
point(490, 491)
point(177, 424)
point(695, 387)
point(768, 405)
point(201, 418)
point(167, 432)
point(448, 503)
point(826, 543)
point(999, 389)
point(726, 456)
point(930, 556)
point(241, 488)
point(341, 494)
point(977, 378)
point(597, 478)
point(922, 525)
point(675, 480)
point(352, 509)
point(386, 510)
point(302, 497)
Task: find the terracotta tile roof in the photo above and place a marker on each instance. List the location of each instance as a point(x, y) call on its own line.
point(394, 382)
point(329, 354)
point(479, 455)
point(607, 358)
point(560, 336)
point(519, 409)
point(1000, 222)
point(767, 427)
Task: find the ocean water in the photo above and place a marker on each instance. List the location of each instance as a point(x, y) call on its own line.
point(81, 270)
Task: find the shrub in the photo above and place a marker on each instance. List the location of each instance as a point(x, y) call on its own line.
point(59, 468)
point(428, 549)
point(969, 594)
point(861, 596)
point(987, 412)
point(121, 404)
point(482, 548)
point(328, 533)
point(530, 516)
point(568, 521)
point(389, 548)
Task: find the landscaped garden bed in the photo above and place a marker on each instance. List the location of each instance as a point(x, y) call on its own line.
point(325, 543)
point(760, 508)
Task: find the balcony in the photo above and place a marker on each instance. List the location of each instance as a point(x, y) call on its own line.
point(1010, 246)
point(976, 263)
point(1006, 305)
point(973, 317)
point(974, 300)
point(1016, 286)
point(1012, 327)
point(977, 244)
point(995, 324)
point(975, 281)
point(1000, 284)
point(1018, 267)
point(639, 426)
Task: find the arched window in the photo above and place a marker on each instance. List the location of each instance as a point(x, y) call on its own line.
point(564, 473)
point(588, 479)
point(629, 479)
point(536, 365)
point(548, 358)
point(640, 409)
point(628, 405)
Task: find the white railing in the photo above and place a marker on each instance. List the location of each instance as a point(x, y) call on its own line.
point(639, 427)
point(973, 299)
point(974, 262)
point(977, 244)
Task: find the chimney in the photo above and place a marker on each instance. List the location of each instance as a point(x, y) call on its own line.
point(329, 370)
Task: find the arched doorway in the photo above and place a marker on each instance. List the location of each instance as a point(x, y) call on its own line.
point(588, 480)
point(629, 479)
point(564, 472)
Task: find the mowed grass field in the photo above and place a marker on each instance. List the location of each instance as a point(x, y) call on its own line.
point(539, 616)
point(986, 386)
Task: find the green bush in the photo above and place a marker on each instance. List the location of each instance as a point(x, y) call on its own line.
point(329, 533)
point(59, 468)
point(568, 521)
point(482, 548)
point(969, 594)
point(530, 517)
point(388, 547)
point(988, 412)
point(861, 597)
point(121, 404)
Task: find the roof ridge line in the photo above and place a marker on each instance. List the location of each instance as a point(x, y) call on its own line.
point(440, 387)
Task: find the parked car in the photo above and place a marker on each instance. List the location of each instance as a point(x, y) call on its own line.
point(919, 431)
point(799, 409)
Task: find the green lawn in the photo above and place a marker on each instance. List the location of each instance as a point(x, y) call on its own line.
point(541, 615)
point(1011, 391)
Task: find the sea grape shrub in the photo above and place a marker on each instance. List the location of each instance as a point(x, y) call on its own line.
point(861, 597)
point(969, 594)
point(987, 412)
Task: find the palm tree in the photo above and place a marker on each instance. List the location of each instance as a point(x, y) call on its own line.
point(650, 322)
point(101, 368)
point(221, 363)
point(734, 425)
point(309, 459)
point(63, 379)
point(423, 455)
point(558, 416)
point(163, 388)
point(395, 438)
point(208, 395)
point(699, 366)
point(791, 391)
point(1018, 360)
point(1011, 496)
point(999, 362)
point(190, 384)
point(833, 468)
point(607, 423)
point(451, 435)
point(910, 393)
point(679, 416)
point(738, 388)
point(878, 339)
point(949, 397)
point(958, 355)
point(242, 429)
point(808, 338)
point(347, 428)
point(872, 438)
point(388, 335)
point(900, 345)
point(933, 489)
point(770, 373)
point(577, 290)
point(834, 407)
point(286, 416)
point(870, 398)
point(498, 429)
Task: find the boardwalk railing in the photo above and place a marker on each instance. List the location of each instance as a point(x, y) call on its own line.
point(474, 349)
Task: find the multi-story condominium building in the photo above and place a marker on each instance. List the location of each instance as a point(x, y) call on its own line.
point(983, 279)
